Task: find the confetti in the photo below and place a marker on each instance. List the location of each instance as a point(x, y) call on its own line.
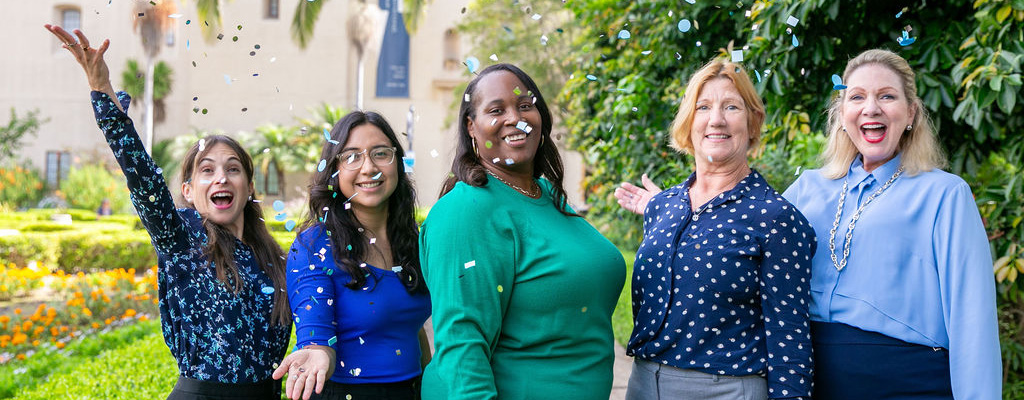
point(280, 217)
point(737, 55)
point(591, 77)
point(361, 341)
point(500, 289)
point(434, 153)
point(509, 161)
point(408, 163)
point(905, 40)
point(355, 371)
point(278, 205)
point(488, 143)
point(900, 14)
point(684, 25)
point(473, 64)
point(691, 1)
point(523, 126)
point(584, 309)
point(837, 82)
point(792, 21)
point(516, 91)
point(175, 16)
point(289, 225)
point(496, 159)
point(494, 57)
point(544, 40)
point(797, 170)
point(398, 352)
point(332, 340)
point(267, 290)
point(379, 174)
point(710, 159)
point(624, 34)
point(373, 240)
point(321, 165)
point(536, 17)
point(758, 74)
point(795, 41)
point(465, 97)
point(227, 79)
point(470, 264)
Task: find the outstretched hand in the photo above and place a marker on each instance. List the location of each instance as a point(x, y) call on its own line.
point(634, 198)
point(307, 369)
point(91, 59)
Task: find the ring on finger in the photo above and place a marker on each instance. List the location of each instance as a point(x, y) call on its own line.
point(302, 369)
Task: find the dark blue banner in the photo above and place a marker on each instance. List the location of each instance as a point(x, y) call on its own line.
point(393, 65)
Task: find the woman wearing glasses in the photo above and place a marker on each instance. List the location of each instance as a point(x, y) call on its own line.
point(354, 280)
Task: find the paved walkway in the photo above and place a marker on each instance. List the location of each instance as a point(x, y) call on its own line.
point(623, 366)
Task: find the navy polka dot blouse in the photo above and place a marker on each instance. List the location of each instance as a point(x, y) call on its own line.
point(725, 289)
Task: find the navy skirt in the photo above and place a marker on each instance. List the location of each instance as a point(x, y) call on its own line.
point(855, 364)
point(406, 390)
point(193, 389)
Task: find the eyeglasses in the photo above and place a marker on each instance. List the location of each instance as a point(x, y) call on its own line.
point(353, 160)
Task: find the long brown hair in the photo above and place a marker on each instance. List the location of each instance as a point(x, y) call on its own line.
point(347, 242)
point(220, 242)
point(547, 162)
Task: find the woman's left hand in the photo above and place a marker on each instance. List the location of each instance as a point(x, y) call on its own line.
point(308, 370)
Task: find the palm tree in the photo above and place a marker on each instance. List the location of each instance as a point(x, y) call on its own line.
point(152, 25)
point(279, 146)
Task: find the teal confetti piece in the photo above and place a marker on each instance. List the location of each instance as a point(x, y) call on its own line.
point(289, 225)
point(278, 205)
point(795, 41)
point(332, 340)
point(624, 34)
point(684, 25)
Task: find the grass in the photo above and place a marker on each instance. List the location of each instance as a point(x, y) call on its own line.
point(622, 317)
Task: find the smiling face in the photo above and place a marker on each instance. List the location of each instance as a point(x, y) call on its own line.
point(375, 178)
point(875, 113)
point(219, 188)
point(720, 125)
point(505, 123)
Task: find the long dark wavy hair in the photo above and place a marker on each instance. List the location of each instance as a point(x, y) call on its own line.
point(220, 244)
point(349, 245)
point(466, 166)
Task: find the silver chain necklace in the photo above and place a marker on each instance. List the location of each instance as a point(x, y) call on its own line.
point(840, 264)
point(517, 188)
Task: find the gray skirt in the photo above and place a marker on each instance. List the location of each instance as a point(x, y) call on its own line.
point(654, 381)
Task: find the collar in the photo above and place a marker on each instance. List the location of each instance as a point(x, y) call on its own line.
point(857, 175)
point(753, 185)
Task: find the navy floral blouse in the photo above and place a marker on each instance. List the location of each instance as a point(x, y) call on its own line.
point(214, 334)
point(724, 290)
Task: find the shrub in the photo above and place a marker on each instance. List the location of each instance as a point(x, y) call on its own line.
point(87, 186)
point(20, 187)
point(80, 250)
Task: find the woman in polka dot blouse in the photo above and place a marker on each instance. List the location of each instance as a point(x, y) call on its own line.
point(721, 280)
point(354, 281)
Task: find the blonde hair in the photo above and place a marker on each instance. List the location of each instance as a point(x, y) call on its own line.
point(683, 122)
point(921, 152)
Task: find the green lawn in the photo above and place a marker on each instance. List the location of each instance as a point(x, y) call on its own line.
point(622, 318)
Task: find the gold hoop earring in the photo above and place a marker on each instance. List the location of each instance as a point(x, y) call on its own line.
point(475, 150)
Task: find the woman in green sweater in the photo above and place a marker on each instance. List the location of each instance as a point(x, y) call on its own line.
point(522, 287)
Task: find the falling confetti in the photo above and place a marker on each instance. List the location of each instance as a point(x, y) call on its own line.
point(684, 25)
point(289, 225)
point(795, 41)
point(470, 264)
point(737, 55)
point(488, 144)
point(473, 64)
point(900, 14)
point(906, 40)
point(493, 57)
point(376, 177)
point(536, 17)
point(332, 340)
point(591, 77)
point(509, 161)
point(434, 153)
point(523, 126)
point(837, 82)
point(465, 98)
point(321, 165)
point(500, 289)
point(278, 205)
point(624, 34)
point(758, 74)
point(792, 21)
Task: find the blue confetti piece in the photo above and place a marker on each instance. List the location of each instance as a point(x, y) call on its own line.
point(591, 77)
point(758, 76)
point(327, 134)
point(473, 64)
point(320, 167)
point(267, 290)
point(837, 82)
point(314, 299)
point(289, 225)
point(408, 163)
point(281, 217)
point(624, 34)
point(899, 14)
point(188, 44)
point(278, 205)
point(349, 247)
point(227, 79)
point(684, 25)
point(691, 1)
point(795, 41)
point(907, 41)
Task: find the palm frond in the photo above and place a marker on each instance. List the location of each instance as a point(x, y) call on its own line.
point(306, 15)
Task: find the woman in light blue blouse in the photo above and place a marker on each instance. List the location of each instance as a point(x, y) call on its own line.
point(721, 281)
point(354, 281)
point(903, 297)
point(221, 276)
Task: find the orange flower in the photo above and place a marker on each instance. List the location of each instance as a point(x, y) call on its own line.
point(54, 331)
point(95, 325)
point(17, 311)
point(19, 338)
point(129, 312)
point(20, 357)
point(144, 318)
point(60, 345)
point(86, 311)
point(4, 319)
point(25, 326)
point(35, 343)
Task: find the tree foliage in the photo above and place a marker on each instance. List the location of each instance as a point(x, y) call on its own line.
point(16, 130)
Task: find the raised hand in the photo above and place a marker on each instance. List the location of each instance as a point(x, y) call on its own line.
point(307, 369)
point(633, 198)
point(91, 59)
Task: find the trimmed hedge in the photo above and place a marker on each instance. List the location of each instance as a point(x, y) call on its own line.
point(80, 250)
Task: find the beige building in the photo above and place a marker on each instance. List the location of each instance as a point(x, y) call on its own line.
point(274, 84)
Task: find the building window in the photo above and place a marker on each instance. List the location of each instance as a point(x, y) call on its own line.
point(58, 163)
point(268, 184)
point(272, 9)
point(70, 19)
point(451, 50)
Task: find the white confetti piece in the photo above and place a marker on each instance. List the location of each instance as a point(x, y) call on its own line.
point(536, 17)
point(494, 57)
point(792, 21)
point(373, 240)
point(465, 97)
point(737, 55)
point(361, 341)
point(470, 264)
point(434, 153)
point(509, 161)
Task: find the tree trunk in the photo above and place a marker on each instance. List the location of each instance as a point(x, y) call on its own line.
point(359, 81)
point(148, 99)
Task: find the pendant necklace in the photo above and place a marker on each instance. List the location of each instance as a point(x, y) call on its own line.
point(840, 264)
point(517, 188)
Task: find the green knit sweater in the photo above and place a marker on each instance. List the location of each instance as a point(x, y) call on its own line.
point(522, 298)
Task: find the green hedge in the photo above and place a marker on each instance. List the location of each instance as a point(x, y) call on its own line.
point(80, 250)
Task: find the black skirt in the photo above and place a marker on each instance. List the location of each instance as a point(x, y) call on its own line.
point(193, 389)
point(406, 390)
point(854, 364)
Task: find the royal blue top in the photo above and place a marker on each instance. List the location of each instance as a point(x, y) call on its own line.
point(374, 330)
point(213, 333)
point(725, 290)
point(919, 268)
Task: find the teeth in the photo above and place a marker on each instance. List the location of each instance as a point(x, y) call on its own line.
point(718, 136)
point(873, 126)
point(509, 139)
point(222, 194)
point(370, 185)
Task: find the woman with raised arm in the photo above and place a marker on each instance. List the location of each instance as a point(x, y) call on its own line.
point(223, 308)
